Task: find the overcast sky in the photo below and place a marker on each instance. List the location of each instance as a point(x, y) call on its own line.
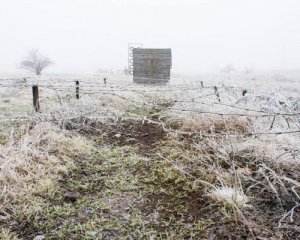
point(82, 36)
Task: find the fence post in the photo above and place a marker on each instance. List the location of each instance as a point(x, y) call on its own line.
point(36, 98)
point(272, 124)
point(217, 93)
point(201, 83)
point(77, 89)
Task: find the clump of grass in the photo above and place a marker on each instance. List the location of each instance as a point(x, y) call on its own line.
point(6, 234)
point(3, 138)
point(218, 124)
point(229, 196)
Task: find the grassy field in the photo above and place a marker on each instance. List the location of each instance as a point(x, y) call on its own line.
point(205, 157)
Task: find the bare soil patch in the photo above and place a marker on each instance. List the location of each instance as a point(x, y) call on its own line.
point(144, 135)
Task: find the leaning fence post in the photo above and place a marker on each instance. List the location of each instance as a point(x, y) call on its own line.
point(272, 124)
point(77, 89)
point(217, 93)
point(36, 98)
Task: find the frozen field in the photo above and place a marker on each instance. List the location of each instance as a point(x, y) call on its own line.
point(212, 156)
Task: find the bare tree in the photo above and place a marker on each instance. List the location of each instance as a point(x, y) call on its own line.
point(35, 62)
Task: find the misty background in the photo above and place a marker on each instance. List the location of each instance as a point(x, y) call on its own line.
point(83, 36)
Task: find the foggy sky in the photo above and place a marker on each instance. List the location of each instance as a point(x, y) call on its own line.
point(82, 36)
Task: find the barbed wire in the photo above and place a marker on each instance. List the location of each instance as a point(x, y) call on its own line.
point(235, 114)
point(114, 88)
point(237, 107)
point(96, 83)
point(54, 118)
point(113, 93)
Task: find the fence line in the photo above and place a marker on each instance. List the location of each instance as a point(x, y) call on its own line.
point(79, 89)
point(113, 91)
point(106, 87)
point(240, 108)
point(53, 118)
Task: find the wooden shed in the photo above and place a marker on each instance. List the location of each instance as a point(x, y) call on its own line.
point(151, 66)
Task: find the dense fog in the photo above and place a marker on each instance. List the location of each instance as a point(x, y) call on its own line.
point(83, 36)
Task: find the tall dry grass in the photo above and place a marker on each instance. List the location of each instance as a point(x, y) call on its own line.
point(32, 161)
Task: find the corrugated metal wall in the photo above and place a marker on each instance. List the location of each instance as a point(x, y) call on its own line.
point(151, 66)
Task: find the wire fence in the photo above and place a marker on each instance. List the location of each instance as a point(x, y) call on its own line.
point(180, 98)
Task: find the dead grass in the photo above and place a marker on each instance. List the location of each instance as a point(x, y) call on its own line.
point(32, 162)
point(255, 177)
point(217, 124)
point(64, 176)
point(232, 197)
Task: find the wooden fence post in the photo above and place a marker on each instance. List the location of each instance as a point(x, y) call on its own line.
point(272, 124)
point(77, 89)
point(217, 93)
point(201, 83)
point(36, 98)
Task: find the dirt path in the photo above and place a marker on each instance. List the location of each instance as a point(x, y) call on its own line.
point(120, 190)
